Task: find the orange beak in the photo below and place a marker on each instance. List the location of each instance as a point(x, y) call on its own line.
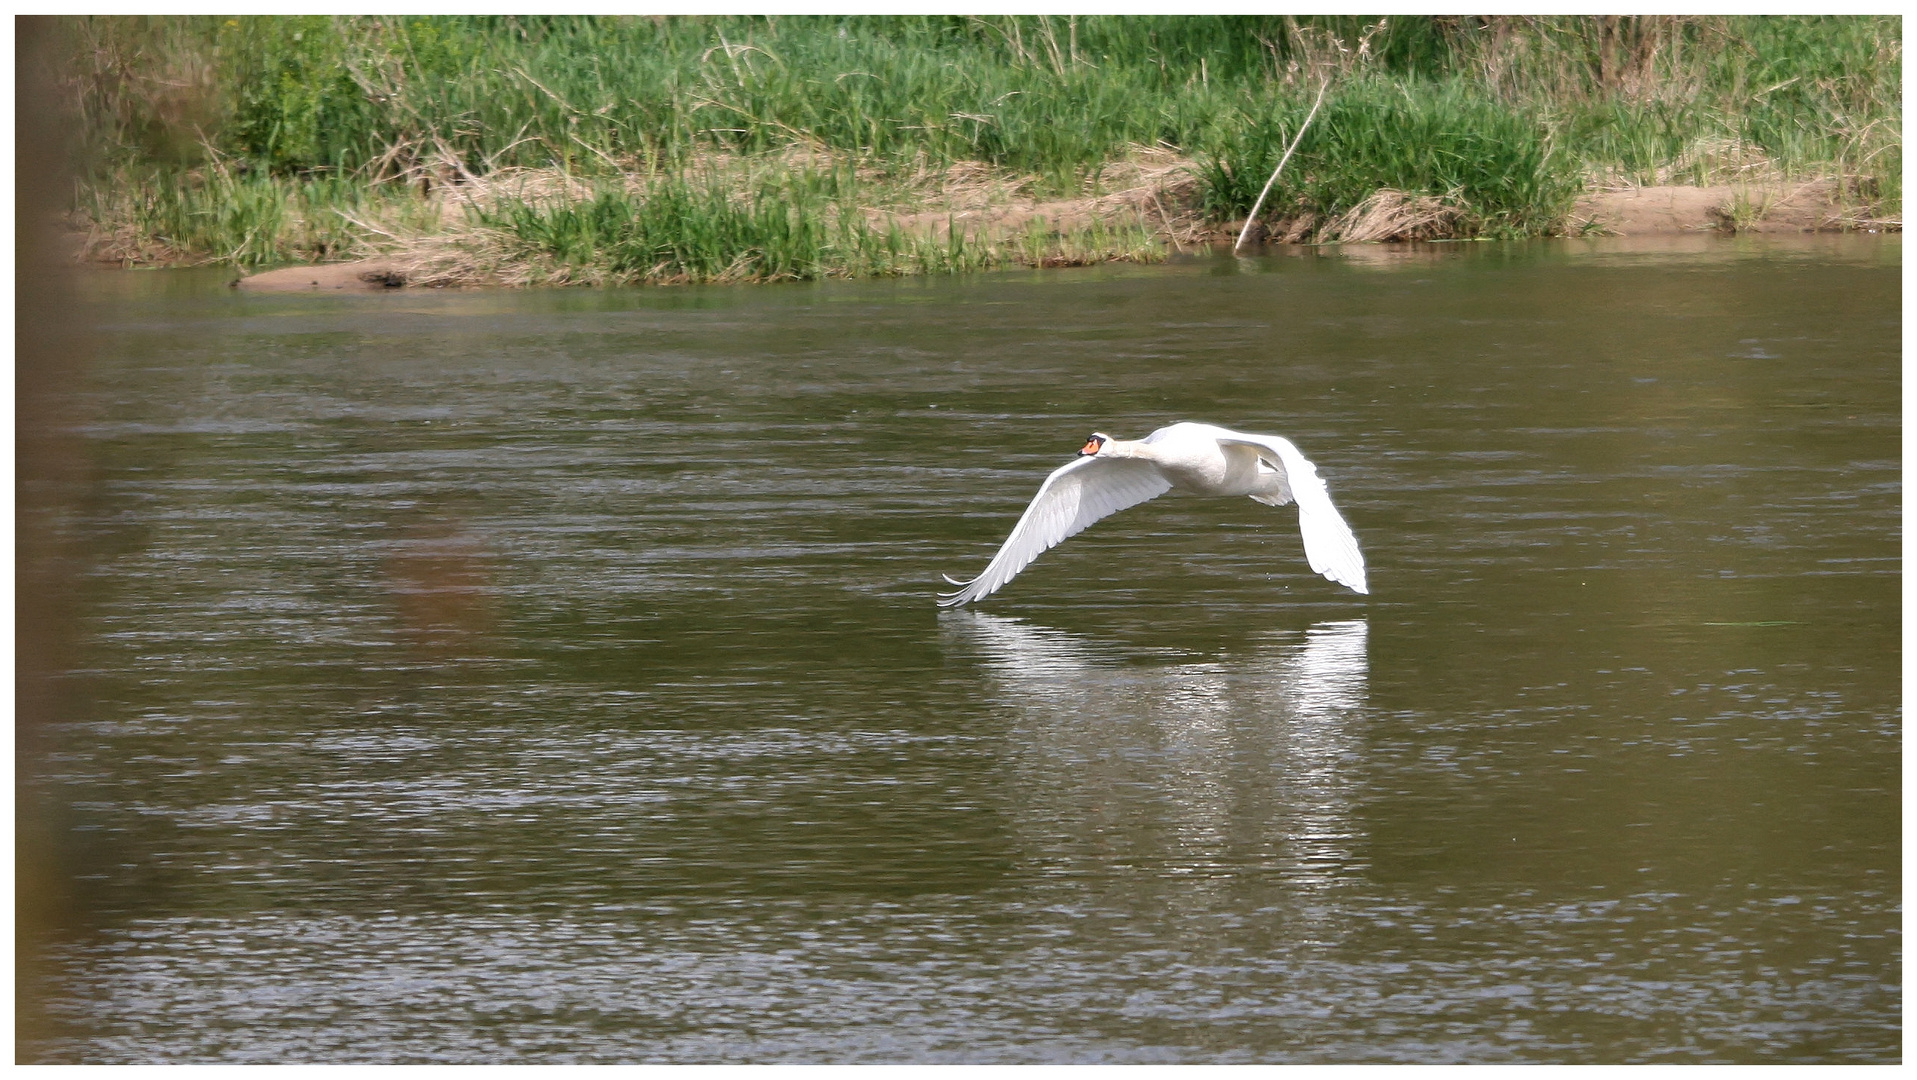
point(1091, 447)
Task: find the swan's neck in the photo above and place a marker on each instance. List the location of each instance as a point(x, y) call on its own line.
point(1127, 448)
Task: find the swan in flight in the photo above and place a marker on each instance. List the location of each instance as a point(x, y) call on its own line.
point(1110, 474)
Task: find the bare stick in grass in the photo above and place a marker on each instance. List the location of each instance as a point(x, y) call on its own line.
point(1255, 207)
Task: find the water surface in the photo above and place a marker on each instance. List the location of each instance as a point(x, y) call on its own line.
point(555, 676)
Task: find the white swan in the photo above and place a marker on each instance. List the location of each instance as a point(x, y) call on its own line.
point(1111, 474)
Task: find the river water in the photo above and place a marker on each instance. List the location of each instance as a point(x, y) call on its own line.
point(555, 676)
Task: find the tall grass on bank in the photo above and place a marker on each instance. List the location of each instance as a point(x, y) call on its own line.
point(1051, 97)
point(780, 227)
point(1055, 97)
point(754, 219)
point(1495, 165)
point(247, 219)
point(257, 139)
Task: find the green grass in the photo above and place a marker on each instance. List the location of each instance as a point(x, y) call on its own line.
point(260, 139)
point(356, 93)
point(1448, 139)
point(245, 219)
point(784, 225)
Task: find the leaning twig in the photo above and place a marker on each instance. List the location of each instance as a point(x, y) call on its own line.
point(366, 226)
point(1255, 207)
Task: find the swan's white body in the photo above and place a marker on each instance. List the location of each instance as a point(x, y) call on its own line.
point(1111, 474)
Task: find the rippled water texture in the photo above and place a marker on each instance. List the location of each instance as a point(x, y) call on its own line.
point(555, 676)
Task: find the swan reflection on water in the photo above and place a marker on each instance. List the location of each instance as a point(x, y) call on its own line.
point(1182, 767)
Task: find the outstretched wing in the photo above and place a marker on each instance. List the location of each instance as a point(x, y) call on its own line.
point(1076, 494)
point(1329, 546)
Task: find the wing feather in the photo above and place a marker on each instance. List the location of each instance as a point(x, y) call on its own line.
point(1077, 493)
point(1330, 547)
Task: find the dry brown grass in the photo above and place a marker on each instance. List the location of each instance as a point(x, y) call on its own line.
point(1152, 185)
point(1387, 216)
point(1395, 215)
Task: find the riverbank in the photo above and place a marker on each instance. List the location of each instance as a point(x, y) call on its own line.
point(1650, 211)
point(610, 150)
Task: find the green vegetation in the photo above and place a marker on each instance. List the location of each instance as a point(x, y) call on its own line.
point(705, 148)
point(786, 225)
point(1496, 165)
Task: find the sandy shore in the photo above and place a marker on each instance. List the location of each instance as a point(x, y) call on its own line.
point(366, 275)
point(1651, 211)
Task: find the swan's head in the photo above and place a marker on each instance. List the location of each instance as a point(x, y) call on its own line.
point(1093, 444)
